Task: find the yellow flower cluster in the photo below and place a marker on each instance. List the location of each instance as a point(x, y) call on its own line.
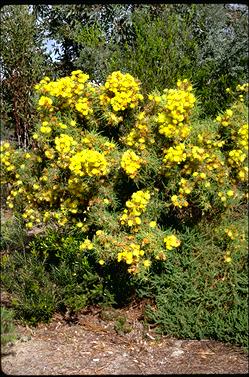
point(243, 174)
point(47, 196)
point(76, 187)
point(136, 137)
point(231, 233)
point(131, 163)
point(69, 205)
point(86, 245)
point(206, 140)
point(124, 249)
point(225, 119)
point(73, 91)
point(45, 128)
point(176, 106)
point(88, 163)
point(46, 131)
point(171, 241)
point(202, 167)
point(186, 186)
point(32, 216)
point(84, 106)
point(120, 91)
point(243, 87)
point(174, 155)
point(64, 87)
point(197, 153)
point(6, 152)
point(227, 258)
point(243, 136)
point(234, 240)
point(179, 201)
point(130, 254)
point(45, 102)
point(240, 89)
point(108, 147)
point(136, 206)
point(140, 134)
point(64, 144)
point(236, 157)
point(226, 195)
point(49, 152)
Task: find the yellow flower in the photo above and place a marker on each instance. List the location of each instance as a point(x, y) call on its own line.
point(146, 263)
point(228, 259)
point(229, 112)
point(152, 224)
point(87, 244)
point(45, 101)
point(171, 241)
point(101, 262)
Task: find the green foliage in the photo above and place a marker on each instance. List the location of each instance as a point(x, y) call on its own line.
point(75, 274)
point(54, 274)
point(7, 326)
point(121, 326)
point(13, 235)
point(34, 297)
point(23, 63)
point(205, 43)
point(196, 295)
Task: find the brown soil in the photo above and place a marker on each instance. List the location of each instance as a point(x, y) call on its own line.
point(96, 343)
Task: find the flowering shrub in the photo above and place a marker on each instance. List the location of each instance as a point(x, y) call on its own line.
point(130, 162)
point(121, 91)
point(120, 186)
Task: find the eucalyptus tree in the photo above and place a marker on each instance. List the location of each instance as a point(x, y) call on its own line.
point(23, 63)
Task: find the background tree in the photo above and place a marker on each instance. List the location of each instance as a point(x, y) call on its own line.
point(206, 43)
point(23, 63)
point(157, 43)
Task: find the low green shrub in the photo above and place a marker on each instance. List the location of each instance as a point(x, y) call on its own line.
point(13, 234)
point(199, 292)
point(7, 327)
point(33, 294)
point(53, 273)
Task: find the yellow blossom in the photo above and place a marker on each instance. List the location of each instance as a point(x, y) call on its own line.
point(152, 224)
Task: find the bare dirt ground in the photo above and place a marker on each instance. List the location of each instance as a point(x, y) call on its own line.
point(95, 343)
